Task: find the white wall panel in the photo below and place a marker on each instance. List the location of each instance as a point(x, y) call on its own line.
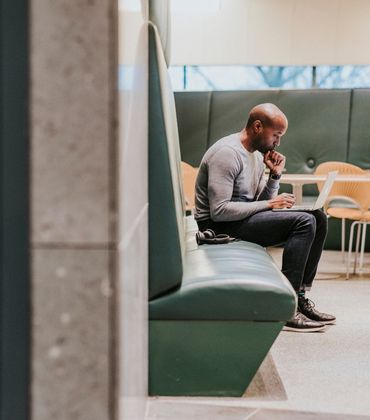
point(272, 32)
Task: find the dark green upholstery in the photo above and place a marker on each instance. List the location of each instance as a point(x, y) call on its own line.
point(359, 138)
point(214, 310)
point(207, 358)
point(318, 129)
point(318, 123)
point(229, 111)
point(237, 281)
point(324, 125)
point(196, 134)
point(165, 227)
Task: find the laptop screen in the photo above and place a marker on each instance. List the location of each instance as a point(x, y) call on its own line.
point(324, 194)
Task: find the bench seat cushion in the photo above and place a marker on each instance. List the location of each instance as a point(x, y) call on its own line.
point(236, 281)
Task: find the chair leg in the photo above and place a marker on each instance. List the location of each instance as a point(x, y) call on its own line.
point(363, 240)
point(343, 245)
point(359, 228)
point(350, 248)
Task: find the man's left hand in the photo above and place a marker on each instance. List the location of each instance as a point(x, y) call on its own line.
point(275, 161)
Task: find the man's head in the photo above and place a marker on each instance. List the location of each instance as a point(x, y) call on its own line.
point(265, 127)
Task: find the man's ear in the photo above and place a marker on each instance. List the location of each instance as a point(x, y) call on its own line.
point(257, 126)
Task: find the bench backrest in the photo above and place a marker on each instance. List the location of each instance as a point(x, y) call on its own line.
point(359, 135)
point(324, 124)
point(166, 197)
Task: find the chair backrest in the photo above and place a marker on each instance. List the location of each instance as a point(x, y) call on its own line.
point(189, 176)
point(357, 192)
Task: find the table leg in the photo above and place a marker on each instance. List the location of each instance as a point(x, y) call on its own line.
point(297, 191)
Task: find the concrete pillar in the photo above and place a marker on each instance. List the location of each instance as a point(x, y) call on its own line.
point(74, 208)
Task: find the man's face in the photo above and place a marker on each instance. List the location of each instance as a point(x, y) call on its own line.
point(268, 137)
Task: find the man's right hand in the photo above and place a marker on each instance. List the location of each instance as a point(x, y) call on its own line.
point(281, 201)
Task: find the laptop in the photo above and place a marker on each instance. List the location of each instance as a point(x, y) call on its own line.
point(324, 194)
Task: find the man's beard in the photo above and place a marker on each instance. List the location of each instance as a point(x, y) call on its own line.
point(257, 144)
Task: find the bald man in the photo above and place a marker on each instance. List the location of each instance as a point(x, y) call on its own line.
point(233, 197)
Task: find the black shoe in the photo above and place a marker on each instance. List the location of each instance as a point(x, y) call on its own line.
point(300, 323)
point(307, 307)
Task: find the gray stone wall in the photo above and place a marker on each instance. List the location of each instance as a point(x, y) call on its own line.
point(73, 189)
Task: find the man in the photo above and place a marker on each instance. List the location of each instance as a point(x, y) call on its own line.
point(233, 197)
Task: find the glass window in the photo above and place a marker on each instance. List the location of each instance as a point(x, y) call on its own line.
point(198, 78)
point(343, 76)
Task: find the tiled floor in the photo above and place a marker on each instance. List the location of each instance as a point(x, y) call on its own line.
point(324, 375)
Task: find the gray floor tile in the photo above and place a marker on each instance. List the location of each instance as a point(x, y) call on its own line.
point(188, 411)
point(299, 415)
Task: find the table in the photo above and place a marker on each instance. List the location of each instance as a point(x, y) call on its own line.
point(298, 180)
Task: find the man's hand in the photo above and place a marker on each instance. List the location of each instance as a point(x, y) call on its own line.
point(281, 201)
point(275, 161)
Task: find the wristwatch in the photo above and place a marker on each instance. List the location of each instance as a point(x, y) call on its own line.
point(276, 177)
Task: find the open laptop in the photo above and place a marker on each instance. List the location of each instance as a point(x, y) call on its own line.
point(324, 194)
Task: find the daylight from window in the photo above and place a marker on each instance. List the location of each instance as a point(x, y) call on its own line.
point(200, 78)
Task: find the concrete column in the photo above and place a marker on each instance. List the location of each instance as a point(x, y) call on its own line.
point(74, 196)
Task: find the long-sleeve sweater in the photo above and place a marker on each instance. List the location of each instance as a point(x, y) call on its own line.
point(230, 184)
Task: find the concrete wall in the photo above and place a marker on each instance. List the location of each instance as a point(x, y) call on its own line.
point(74, 208)
point(89, 209)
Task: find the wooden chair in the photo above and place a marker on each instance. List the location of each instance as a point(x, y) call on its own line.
point(357, 194)
point(189, 176)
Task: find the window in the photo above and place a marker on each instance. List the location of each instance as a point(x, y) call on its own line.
point(343, 76)
point(198, 78)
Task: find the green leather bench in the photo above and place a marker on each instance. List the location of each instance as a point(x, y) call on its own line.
point(325, 124)
point(214, 310)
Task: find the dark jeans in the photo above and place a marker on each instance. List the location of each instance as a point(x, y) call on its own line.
point(302, 233)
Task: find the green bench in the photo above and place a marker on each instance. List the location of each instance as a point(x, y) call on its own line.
point(214, 310)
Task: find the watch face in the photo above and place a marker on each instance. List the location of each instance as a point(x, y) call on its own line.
point(274, 176)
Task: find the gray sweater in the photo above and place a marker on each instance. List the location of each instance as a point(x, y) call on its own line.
point(230, 184)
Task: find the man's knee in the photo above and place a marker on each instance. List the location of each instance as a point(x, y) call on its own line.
point(306, 221)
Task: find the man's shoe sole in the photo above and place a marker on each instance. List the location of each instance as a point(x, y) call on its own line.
point(305, 330)
point(333, 322)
